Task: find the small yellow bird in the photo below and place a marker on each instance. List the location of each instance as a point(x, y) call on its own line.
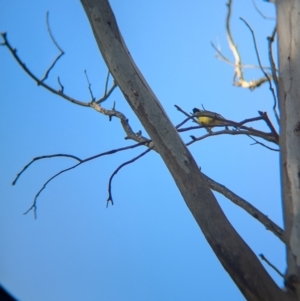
point(208, 118)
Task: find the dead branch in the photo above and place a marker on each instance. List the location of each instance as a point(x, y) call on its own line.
point(57, 46)
point(35, 78)
point(81, 161)
point(40, 158)
point(268, 76)
point(60, 92)
point(110, 198)
point(264, 145)
point(271, 265)
point(238, 70)
point(262, 218)
point(274, 73)
point(219, 55)
point(267, 136)
point(107, 93)
point(238, 78)
point(270, 225)
point(185, 120)
point(261, 13)
point(125, 123)
point(89, 86)
point(265, 117)
point(273, 66)
point(40, 82)
point(242, 130)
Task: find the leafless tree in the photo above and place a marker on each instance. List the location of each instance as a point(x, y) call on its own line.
point(196, 188)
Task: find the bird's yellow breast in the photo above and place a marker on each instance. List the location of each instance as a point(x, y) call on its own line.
point(206, 120)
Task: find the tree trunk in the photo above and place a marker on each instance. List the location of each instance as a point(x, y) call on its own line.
point(234, 254)
point(288, 27)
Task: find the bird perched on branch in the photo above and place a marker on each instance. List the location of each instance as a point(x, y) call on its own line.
point(208, 118)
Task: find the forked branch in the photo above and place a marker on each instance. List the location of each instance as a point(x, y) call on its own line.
point(80, 161)
point(41, 82)
point(238, 78)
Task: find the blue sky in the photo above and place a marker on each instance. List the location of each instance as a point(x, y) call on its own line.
point(147, 246)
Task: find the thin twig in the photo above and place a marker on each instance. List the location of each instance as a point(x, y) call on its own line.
point(34, 205)
point(89, 86)
point(271, 265)
point(265, 117)
point(260, 12)
point(262, 144)
point(185, 120)
point(106, 83)
point(61, 89)
point(182, 111)
point(51, 35)
point(268, 76)
point(274, 72)
point(40, 158)
point(113, 109)
point(255, 47)
point(106, 95)
point(57, 46)
point(110, 198)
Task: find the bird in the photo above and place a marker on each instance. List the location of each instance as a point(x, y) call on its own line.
point(208, 118)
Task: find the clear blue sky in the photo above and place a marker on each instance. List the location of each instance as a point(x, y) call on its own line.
point(147, 246)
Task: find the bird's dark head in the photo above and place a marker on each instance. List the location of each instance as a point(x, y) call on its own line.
point(195, 110)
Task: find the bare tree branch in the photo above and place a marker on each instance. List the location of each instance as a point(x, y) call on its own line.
point(260, 12)
point(93, 104)
point(125, 123)
point(219, 55)
point(110, 197)
point(38, 81)
point(107, 93)
point(60, 91)
point(81, 161)
point(271, 265)
point(89, 86)
point(269, 78)
point(274, 73)
point(238, 70)
point(264, 145)
point(265, 117)
point(57, 46)
point(269, 224)
point(271, 137)
point(238, 74)
point(263, 135)
point(43, 157)
point(106, 82)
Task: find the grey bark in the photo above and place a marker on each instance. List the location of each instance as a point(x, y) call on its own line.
point(288, 27)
